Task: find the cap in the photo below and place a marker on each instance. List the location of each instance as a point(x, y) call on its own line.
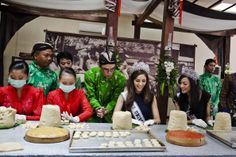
point(40, 46)
point(107, 57)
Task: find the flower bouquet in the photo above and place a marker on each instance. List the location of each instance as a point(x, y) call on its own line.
point(167, 73)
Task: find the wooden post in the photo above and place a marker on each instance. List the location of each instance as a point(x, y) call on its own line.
point(137, 29)
point(168, 27)
point(112, 26)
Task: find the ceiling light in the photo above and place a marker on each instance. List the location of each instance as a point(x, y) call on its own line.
point(231, 10)
point(221, 6)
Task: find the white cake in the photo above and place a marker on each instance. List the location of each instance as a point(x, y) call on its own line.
point(177, 120)
point(7, 117)
point(122, 120)
point(222, 121)
point(50, 116)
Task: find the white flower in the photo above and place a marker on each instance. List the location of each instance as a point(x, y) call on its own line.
point(169, 66)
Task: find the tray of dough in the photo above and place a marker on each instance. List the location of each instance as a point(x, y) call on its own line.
point(227, 137)
point(114, 141)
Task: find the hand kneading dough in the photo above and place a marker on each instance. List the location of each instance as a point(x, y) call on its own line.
point(177, 121)
point(50, 116)
point(122, 120)
point(7, 117)
point(222, 121)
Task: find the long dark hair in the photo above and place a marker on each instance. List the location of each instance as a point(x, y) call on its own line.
point(194, 94)
point(147, 94)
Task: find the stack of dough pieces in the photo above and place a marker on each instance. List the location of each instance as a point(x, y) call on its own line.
point(122, 120)
point(177, 121)
point(223, 122)
point(50, 116)
point(7, 117)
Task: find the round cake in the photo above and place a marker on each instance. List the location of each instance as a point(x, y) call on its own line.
point(47, 135)
point(185, 138)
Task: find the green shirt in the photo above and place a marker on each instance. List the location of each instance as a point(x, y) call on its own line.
point(42, 78)
point(103, 92)
point(212, 84)
point(77, 83)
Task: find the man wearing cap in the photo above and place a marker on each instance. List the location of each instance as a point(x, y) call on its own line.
point(40, 74)
point(103, 86)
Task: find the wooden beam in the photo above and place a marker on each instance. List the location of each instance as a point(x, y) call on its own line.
point(74, 15)
point(148, 11)
point(215, 4)
point(195, 1)
point(226, 52)
point(205, 12)
point(155, 24)
point(137, 29)
point(229, 7)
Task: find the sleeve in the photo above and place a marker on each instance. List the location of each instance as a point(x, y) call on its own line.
point(39, 100)
point(201, 82)
point(1, 96)
point(120, 84)
point(224, 93)
point(218, 90)
point(50, 98)
point(78, 83)
point(54, 82)
point(90, 90)
point(87, 110)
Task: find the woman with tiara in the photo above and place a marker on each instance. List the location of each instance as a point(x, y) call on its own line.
point(138, 98)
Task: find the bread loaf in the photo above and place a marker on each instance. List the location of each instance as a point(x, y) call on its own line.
point(222, 121)
point(50, 116)
point(122, 120)
point(7, 117)
point(177, 120)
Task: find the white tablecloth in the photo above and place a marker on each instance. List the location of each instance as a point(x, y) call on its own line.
point(212, 147)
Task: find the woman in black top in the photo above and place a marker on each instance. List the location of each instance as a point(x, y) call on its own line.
point(138, 98)
point(193, 100)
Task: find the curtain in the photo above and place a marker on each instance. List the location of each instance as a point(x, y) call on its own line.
point(10, 24)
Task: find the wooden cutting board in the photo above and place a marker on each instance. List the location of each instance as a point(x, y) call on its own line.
point(47, 135)
point(185, 138)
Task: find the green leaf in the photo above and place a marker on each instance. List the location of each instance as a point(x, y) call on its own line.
point(162, 88)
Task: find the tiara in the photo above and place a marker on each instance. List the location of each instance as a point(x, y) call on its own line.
point(190, 73)
point(139, 66)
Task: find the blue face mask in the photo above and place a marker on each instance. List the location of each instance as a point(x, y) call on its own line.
point(16, 83)
point(66, 88)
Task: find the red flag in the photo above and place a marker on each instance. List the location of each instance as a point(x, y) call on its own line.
point(180, 11)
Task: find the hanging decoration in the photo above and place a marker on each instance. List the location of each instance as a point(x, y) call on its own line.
point(119, 7)
point(175, 9)
point(111, 5)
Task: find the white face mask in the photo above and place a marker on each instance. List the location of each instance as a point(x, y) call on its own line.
point(66, 88)
point(16, 83)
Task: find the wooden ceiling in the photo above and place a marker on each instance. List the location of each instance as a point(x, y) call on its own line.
point(211, 4)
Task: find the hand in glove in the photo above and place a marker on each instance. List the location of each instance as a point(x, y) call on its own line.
point(199, 122)
point(149, 122)
point(66, 116)
point(137, 122)
point(210, 122)
point(20, 118)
